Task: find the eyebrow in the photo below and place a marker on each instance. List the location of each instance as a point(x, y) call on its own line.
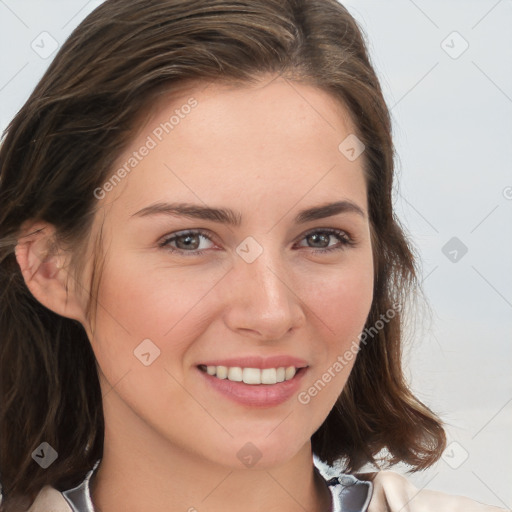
point(232, 218)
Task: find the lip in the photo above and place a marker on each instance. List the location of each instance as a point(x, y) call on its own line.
point(255, 395)
point(260, 362)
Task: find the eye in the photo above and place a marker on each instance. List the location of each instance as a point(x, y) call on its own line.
point(188, 242)
point(322, 236)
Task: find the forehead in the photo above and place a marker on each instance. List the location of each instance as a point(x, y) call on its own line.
point(224, 143)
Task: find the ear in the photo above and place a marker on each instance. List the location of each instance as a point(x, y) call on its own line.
point(44, 267)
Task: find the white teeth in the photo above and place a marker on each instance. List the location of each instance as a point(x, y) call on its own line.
point(252, 375)
point(222, 372)
point(235, 374)
point(269, 376)
point(290, 372)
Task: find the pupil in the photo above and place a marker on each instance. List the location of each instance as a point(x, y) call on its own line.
point(187, 239)
point(323, 236)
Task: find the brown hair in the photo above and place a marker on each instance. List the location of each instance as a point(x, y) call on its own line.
point(62, 145)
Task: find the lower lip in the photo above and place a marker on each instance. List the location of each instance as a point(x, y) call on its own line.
point(256, 395)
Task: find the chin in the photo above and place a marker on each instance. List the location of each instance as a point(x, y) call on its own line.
point(259, 452)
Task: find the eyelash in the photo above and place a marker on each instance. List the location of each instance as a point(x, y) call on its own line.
point(343, 237)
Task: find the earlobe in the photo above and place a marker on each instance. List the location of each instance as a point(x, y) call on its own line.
point(45, 271)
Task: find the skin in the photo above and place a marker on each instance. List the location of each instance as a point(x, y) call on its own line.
point(267, 151)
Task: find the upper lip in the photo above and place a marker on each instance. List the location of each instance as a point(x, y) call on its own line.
point(258, 362)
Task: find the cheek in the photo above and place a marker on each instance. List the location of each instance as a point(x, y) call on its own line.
point(137, 302)
point(173, 306)
point(341, 299)
point(151, 300)
point(341, 303)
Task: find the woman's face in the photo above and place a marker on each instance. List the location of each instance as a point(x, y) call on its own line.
point(248, 286)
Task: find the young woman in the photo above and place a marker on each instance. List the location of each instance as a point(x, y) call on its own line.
point(203, 281)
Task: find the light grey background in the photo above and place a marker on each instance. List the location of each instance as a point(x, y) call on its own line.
point(452, 115)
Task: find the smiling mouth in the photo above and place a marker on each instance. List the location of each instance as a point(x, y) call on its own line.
point(252, 376)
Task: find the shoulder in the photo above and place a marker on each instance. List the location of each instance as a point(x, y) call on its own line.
point(393, 492)
point(50, 499)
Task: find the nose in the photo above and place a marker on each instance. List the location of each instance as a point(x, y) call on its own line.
point(262, 300)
